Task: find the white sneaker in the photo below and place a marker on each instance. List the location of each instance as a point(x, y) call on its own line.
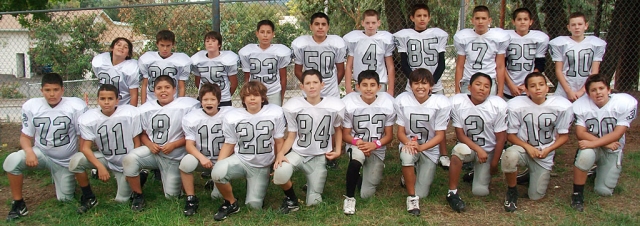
point(349, 205)
point(413, 205)
point(445, 161)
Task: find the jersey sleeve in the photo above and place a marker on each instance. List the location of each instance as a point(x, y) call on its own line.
point(598, 52)
point(391, 118)
point(565, 118)
point(143, 66)
point(503, 43)
point(297, 52)
point(347, 122)
point(185, 69)
point(27, 123)
point(556, 51)
point(400, 119)
point(341, 52)
point(133, 74)
point(442, 42)
point(513, 121)
point(442, 117)
point(244, 60)
point(136, 123)
point(87, 131)
point(389, 46)
point(501, 119)
point(542, 46)
point(190, 130)
point(627, 112)
point(350, 45)
point(459, 46)
point(292, 124)
point(279, 127)
point(580, 119)
point(81, 109)
point(229, 132)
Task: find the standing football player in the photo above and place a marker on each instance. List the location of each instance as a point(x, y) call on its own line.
point(117, 68)
point(213, 66)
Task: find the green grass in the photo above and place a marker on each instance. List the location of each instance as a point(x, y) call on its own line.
point(386, 208)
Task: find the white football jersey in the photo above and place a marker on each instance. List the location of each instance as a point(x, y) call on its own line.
point(539, 125)
point(205, 130)
point(619, 111)
point(422, 49)
point(367, 121)
point(480, 122)
point(480, 50)
point(112, 134)
point(322, 57)
point(253, 134)
point(522, 53)
point(55, 130)
point(368, 52)
point(265, 65)
point(422, 120)
point(124, 76)
point(163, 124)
point(576, 58)
point(177, 66)
point(216, 71)
point(314, 124)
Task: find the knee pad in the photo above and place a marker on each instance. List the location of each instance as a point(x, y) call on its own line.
point(219, 172)
point(407, 159)
point(188, 164)
point(357, 155)
point(461, 151)
point(12, 162)
point(283, 173)
point(74, 163)
point(585, 159)
point(510, 157)
point(130, 166)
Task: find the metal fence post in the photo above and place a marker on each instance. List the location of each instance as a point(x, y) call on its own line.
point(215, 15)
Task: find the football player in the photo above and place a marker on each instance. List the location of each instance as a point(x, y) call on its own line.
point(50, 123)
point(480, 121)
point(216, 67)
point(153, 64)
point(576, 57)
point(163, 141)
point(368, 128)
point(538, 125)
point(313, 123)
point(482, 50)
point(370, 49)
point(422, 119)
point(117, 68)
point(251, 135)
point(267, 62)
point(525, 54)
point(203, 134)
point(602, 119)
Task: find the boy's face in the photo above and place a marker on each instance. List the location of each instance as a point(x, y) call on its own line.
point(253, 102)
point(121, 49)
point(164, 48)
point(212, 45)
point(577, 26)
point(522, 22)
point(599, 93)
point(370, 24)
point(480, 89)
point(319, 27)
point(164, 91)
point(312, 86)
point(421, 19)
point(537, 87)
point(209, 103)
point(108, 100)
point(421, 89)
point(265, 35)
point(52, 93)
point(481, 21)
point(368, 88)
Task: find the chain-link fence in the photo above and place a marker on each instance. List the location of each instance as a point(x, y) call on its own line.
point(71, 38)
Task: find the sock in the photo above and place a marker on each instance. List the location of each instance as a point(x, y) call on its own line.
point(86, 192)
point(511, 188)
point(291, 194)
point(578, 188)
point(454, 191)
point(18, 201)
point(353, 172)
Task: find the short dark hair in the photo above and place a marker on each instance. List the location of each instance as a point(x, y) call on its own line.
point(319, 15)
point(368, 74)
point(214, 35)
point(478, 75)
point(578, 14)
point(165, 35)
point(266, 22)
point(51, 78)
point(254, 88)
point(521, 10)
point(210, 88)
point(419, 6)
point(165, 78)
point(116, 40)
point(481, 8)
point(533, 75)
point(421, 75)
point(596, 78)
point(370, 12)
point(311, 72)
point(109, 88)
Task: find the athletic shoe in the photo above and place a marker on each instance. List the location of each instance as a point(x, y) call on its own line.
point(304, 187)
point(467, 166)
point(157, 175)
point(137, 202)
point(413, 205)
point(289, 206)
point(226, 210)
point(511, 200)
point(591, 174)
point(455, 202)
point(349, 206)
point(577, 201)
point(94, 174)
point(523, 177)
point(444, 162)
point(86, 204)
point(209, 185)
point(18, 209)
point(402, 183)
point(144, 174)
point(191, 205)
point(206, 174)
point(332, 164)
point(468, 177)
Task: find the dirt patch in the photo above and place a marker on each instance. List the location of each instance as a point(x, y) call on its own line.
point(32, 192)
point(10, 136)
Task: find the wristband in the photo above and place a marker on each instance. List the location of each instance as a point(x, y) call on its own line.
point(355, 140)
point(378, 143)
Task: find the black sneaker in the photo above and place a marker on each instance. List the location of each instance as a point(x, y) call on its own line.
point(137, 202)
point(18, 209)
point(577, 201)
point(289, 206)
point(591, 174)
point(206, 174)
point(209, 185)
point(332, 164)
point(86, 204)
point(511, 200)
point(94, 174)
point(468, 177)
point(304, 187)
point(144, 174)
point(191, 205)
point(226, 210)
point(455, 202)
point(523, 177)
point(157, 175)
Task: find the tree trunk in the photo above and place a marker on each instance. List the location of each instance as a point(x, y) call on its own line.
point(531, 5)
point(623, 51)
point(555, 21)
point(598, 21)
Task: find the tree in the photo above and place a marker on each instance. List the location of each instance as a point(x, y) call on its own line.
point(623, 52)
